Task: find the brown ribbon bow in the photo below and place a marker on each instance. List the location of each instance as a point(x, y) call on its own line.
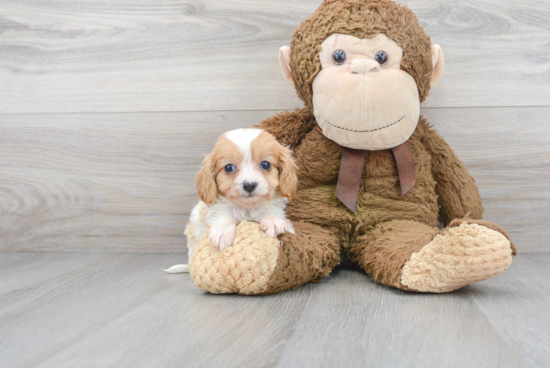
point(351, 169)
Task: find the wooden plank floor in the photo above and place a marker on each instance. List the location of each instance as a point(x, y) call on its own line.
point(120, 309)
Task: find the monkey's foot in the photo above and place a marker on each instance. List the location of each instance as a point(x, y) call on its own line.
point(259, 265)
point(462, 254)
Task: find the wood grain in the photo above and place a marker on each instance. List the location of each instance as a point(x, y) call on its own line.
point(355, 320)
point(104, 181)
point(516, 304)
point(121, 310)
point(191, 55)
point(125, 182)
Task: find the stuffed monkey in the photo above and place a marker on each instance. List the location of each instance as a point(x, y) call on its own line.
point(374, 177)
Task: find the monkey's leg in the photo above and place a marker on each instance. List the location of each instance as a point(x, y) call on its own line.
point(412, 256)
point(258, 265)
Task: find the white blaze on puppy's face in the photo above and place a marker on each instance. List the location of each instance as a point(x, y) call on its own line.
point(361, 97)
point(246, 170)
point(248, 166)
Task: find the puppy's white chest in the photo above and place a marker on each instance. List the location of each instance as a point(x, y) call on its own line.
point(253, 214)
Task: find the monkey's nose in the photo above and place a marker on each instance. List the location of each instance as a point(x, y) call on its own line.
point(364, 66)
point(249, 187)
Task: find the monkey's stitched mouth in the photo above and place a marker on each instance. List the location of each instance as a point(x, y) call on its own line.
point(368, 130)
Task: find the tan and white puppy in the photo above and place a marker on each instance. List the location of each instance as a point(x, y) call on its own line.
point(248, 176)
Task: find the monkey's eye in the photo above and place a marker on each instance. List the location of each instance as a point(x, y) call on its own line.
point(381, 57)
point(229, 168)
point(339, 57)
point(265, 165)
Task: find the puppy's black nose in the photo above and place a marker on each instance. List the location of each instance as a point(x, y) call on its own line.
point(249, 187)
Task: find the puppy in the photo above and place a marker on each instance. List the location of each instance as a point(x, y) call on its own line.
point(248, 176)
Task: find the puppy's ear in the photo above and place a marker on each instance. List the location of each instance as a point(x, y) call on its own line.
point(288, 177)
point(206, 182)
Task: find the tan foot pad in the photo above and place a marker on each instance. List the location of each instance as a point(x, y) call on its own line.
point(460, 256)
point(244, 268)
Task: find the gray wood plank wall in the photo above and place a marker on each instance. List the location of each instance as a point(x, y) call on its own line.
point(107, 108)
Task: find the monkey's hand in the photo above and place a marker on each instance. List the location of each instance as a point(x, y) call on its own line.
point(274, 226)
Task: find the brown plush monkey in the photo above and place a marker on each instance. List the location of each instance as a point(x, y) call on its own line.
point(373, 176)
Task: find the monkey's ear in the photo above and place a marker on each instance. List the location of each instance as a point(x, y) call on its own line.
point(437, 62)
point(284, 61)
point(206, 183)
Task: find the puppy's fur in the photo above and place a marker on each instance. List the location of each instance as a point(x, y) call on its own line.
point(225, 199)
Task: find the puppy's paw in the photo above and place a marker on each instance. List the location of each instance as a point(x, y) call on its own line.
point(289, 227)
point(274, 226)
point(222, 236)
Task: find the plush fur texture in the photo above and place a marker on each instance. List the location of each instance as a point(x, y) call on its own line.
point(360, 103)
point(256, 264)
point(244, 268)
point(362, 19)
point(459, 256)
point(393, 237)
point(383, 251)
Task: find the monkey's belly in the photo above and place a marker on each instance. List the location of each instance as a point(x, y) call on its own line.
point(319, 205)
point(380, 199)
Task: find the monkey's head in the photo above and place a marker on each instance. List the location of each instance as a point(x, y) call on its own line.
point(363, 67)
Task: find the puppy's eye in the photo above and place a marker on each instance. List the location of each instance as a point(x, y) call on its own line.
point(265, 165)
point(381, 57)
point(229, 168)
point(339, 57)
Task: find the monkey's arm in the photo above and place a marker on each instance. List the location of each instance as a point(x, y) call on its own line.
point(457, 191)
point(290, 127)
